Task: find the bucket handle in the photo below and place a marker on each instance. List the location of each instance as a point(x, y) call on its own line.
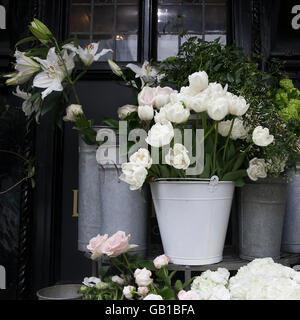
point(213, 183)
point(101, 167)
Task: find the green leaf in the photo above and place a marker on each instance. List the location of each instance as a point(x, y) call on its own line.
point(178, 285)
point(111, 122)
point(239, 183)
point(239, 161)
point(165, 171)
point(167, 293)
point(234, 175)
point(51, 102)
point(25, 40)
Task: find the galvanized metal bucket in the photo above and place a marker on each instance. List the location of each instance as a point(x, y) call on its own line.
point(193, 217)
point(261, 213)
point(106, 204)
point(60, 292)
point(291, 227)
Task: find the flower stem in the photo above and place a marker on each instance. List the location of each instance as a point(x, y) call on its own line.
point(215, 147)
point(203, 116)
point(116, 266)
point(128, 264)
point(228, 137)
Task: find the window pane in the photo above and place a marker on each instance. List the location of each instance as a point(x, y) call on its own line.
point(126, 48)
point(215, 18)
point(212, 37)
point(127, 19)
point(103, 18)
point(80, 19)
point(193, 18)
point(167, 46)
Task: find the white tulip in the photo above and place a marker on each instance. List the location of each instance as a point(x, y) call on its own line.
point(160, 135)
point(177, 113)
point(147, 96)
point(261, 136)
point(257, 169)
point(218, 109)
point(238, 129)
point(198, 81)
point(134, 175)
point(126, 110)
point(142, 158)
point(237, 105)
point(161, 116)
point(162, 96)
point(199, 102)
point(178, 157)
point(146, 112)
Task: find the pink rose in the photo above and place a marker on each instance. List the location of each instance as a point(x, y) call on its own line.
point(143, 277)
point(162, 96)
point(153, 297)
point(96, 246)
point(188, 295)
point(161, 261)
point(146, 96)
point(143, 291)
point(128, 292)
point(117, 244)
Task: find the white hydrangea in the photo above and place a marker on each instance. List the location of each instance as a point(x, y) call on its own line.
point(263, 279)
point(211, 285)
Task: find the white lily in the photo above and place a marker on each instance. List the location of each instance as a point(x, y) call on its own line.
point(25, 68)
point(54, 71)
point(147, 73)
point(29, 107)
point(89, 54)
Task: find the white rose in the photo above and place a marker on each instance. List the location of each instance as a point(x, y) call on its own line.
point(134, 175)
point(178, 157)
point(128, 292)
point(188, 295)
point(161, 261)
point(73, 111)
point(143, 277)
point(238, 129)
point(218, 109)
point(142, 158)
point(237, 105)
point(118, 280)
point(176, 112)
point(198, 80)
point(160, 135)
point(126, 110)
point(161, 116)
point(257, 169)
point(146, 112)
point(261, 136)
point(153, 297)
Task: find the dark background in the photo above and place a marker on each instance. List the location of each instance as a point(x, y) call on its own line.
point(38, 233)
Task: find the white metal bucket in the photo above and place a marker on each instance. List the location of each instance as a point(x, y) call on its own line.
point(193, 218)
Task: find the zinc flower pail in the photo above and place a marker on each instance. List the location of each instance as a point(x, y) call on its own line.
point(260, 218)
point(193, 218)
point(291, 226)
point(106, 204)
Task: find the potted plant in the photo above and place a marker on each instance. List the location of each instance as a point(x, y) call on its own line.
point(46, 75)
point(287, 99)
point(191, 197)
